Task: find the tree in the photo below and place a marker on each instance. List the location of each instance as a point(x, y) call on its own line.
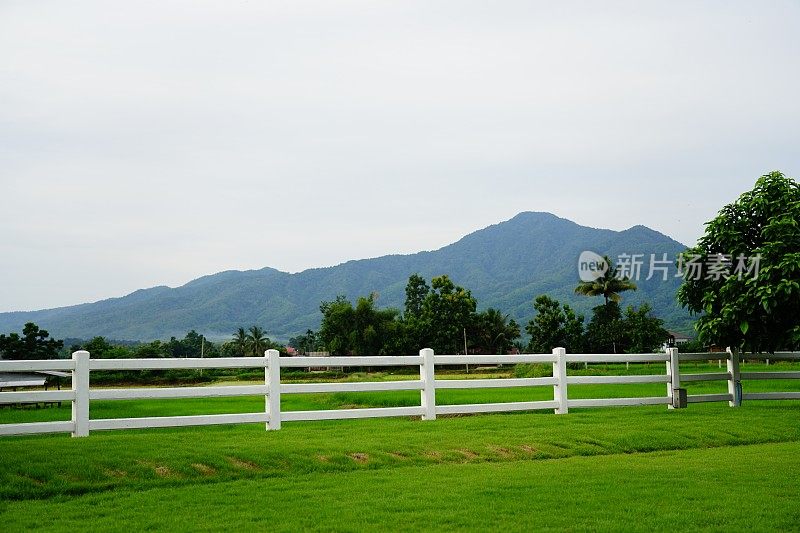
point(305, 343)
point(415, 323)
point(494, 332)
point(643, 331)
point(609, 285)
point(336, 325)
point(755, 306)
point(100, 348)
point(152, 350)
point(416, 292)
point(257, 341)
point(446, 311)
point(360, 330)
point(240, 342)
point(605, 332)
point(554, 326)
point(34, 343)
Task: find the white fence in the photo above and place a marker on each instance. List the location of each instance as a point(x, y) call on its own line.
point(82, 393)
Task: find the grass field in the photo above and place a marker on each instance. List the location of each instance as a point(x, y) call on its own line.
point(708, 467)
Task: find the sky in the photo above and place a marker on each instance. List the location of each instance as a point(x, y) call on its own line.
point(150, 143)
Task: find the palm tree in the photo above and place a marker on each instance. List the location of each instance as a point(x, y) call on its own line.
point(609, 285)
point(240, 341)
point(257, 340)
point(496, 331)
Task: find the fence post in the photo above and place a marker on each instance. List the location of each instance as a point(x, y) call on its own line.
point(674, 374)
point(428, 392)
point(80, 385)
point(560, 374)
point(272, 379)
point(734, 378)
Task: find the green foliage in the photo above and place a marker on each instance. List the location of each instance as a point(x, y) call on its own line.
point(34, 343)
point(257, 341)
point(693, 346)
point(152, 350)
point(438, 317)
point(554, 326)
point(416, 291)
point(755, 313)
point(360, 330)
point(637, 331)
point(446, 312)
point(98, 347)
point(605, 332)
point(310, 342)
point(239, 343)
point(609, 285)
point(643, 332)
point(493, 332)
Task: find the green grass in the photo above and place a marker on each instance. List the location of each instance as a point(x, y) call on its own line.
point(733, 489)
point(633, 468)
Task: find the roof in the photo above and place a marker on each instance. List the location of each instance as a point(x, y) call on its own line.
point(21, 379)
point(679, 335)
point(28, 379)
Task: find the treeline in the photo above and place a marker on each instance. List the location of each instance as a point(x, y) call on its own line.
point(36, 343)
point(252, 342)
point(444, 316)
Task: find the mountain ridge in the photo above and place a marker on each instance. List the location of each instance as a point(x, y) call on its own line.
point(506, 265)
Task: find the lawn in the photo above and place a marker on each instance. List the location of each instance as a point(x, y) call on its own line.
point(745, 488)
point(634, 468)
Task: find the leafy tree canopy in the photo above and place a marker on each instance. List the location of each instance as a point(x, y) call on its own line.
point(554, 326)
point(34, 343)
point(494, 332)
point(756, 305)
point(361, 329)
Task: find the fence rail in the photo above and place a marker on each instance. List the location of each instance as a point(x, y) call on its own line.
point(81, 394)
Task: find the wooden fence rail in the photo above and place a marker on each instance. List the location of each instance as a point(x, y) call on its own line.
point(81, 365)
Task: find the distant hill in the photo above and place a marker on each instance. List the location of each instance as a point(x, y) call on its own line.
point(505, 265)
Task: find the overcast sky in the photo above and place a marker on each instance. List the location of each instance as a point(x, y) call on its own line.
point(149, 143)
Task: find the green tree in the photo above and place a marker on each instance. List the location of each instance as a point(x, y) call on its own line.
point(605, 332)
point(416, 324)
point(755, 307)
point(257, 341)
point(446, 312)
point(644, 332)
point(360, 330)
point(98, 347)
point(34, 343)
point(416, 291)
point(305, 343)
point(494, 332)
point(240, 342)
point(336, 325)
point(554, 326)
point(152, 350)
point(609, 285)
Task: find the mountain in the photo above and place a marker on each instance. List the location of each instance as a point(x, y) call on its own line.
point(505, 265)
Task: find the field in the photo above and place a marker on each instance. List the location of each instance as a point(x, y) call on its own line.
point(637, 468)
